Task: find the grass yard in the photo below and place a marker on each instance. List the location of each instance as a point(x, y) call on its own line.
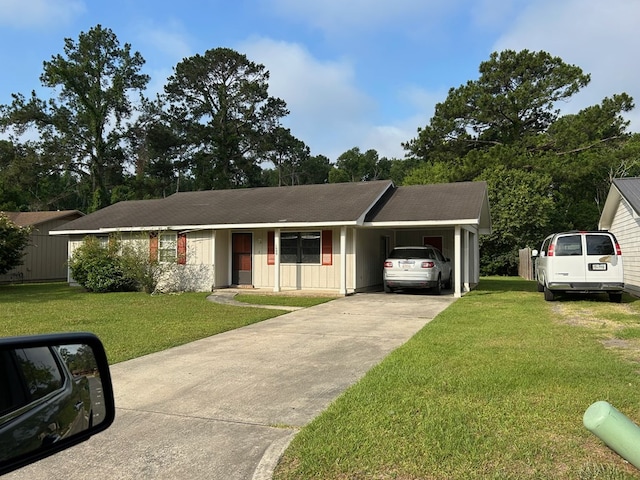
point(129, 324)
point(494, 388)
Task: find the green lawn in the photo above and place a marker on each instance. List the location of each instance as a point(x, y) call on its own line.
point(129, 324)
point(494, 388)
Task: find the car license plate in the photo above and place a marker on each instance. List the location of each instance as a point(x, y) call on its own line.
point(406, 263)
point(598, 267)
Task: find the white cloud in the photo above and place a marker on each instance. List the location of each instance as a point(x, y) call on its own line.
point(328, 112)
point(169, 41)
point(599, 37)
point(39, 13)
point(493, 13)
point(164, 47)
point(362, 15)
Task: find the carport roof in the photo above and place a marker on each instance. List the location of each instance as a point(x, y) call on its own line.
point(362, 203)
point(437, 202)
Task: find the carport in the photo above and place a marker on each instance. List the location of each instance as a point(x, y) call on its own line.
point(448, 216)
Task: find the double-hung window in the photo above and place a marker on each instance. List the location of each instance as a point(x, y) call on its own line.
point(300, 247)
point(168, 247)
point(314, 247)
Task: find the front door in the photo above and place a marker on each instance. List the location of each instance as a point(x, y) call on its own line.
point(241, 263)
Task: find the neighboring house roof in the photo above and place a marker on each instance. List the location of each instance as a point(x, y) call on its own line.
point(297, 206)
point(621, 188)
point(26, 219)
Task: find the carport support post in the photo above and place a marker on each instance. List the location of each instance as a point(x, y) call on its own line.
point(276, 263)
point(457, 258)
point(343, 262)
point(467, 256)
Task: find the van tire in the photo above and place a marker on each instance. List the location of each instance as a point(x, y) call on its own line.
point(549, 296)
point(615, 297)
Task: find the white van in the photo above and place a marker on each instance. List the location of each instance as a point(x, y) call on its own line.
point(581, 262)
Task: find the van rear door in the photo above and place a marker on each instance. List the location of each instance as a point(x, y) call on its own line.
point(568, 265)
point(603, 263)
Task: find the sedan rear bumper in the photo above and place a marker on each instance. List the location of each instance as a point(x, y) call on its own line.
point(417, 283)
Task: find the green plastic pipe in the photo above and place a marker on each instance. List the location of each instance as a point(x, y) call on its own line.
point(616, 430)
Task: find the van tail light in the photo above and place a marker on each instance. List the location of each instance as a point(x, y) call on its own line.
point(388, 264)
point(618, 250)
point(550, 250)
point(428, 264)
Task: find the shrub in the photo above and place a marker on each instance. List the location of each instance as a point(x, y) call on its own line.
point(99, 268)
point(136, 265)
point(13, 240)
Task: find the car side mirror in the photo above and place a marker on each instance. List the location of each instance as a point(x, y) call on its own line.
point(534, 253)
point(55, 392)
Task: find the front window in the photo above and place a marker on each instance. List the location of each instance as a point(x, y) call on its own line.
point(300, 247)
point(167, 247)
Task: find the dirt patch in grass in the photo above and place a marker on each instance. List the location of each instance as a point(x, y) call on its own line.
point(618, 325)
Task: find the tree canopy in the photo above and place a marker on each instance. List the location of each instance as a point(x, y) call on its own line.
point(13, 240)
point(98, 140)
point(505, 128)
point(80, 130)
point(219, 104)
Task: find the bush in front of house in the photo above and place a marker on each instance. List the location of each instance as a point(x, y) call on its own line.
point(101, 268)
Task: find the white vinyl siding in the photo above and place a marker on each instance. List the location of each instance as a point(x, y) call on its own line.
point(626, 228)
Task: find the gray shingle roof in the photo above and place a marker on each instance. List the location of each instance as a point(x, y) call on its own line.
point(326, 203)
point(435, 203)
point(629, 188)
point(337, 204)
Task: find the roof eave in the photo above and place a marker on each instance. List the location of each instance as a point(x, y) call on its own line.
point(226, 226)
point(610, 207)
point(423, 223)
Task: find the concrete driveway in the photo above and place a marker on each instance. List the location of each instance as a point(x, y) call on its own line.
point(226, 407)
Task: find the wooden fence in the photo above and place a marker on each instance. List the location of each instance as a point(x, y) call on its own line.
point(525, 266)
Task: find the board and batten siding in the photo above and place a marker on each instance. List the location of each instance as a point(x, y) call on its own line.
point(301, 276)
point(626, 228)
point(197, 274)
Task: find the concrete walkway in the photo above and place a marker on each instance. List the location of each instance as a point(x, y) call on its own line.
point(226, 407)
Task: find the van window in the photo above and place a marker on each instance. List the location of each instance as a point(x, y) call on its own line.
point(599, 245)
point(545, 245)
point(568, 245)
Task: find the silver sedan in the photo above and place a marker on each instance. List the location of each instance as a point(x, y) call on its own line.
point(417, 267)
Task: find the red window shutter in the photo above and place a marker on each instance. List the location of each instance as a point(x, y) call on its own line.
point(327, 247)
point(153, 247)
point(182, 248)
point(271, 251)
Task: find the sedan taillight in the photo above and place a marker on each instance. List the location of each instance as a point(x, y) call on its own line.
point(428, 264)
point(388, 264)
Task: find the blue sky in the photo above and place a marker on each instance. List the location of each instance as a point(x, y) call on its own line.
point(354, 73)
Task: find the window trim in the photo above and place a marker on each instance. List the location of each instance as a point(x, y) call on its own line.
point(325, 250)
point(178, 250)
